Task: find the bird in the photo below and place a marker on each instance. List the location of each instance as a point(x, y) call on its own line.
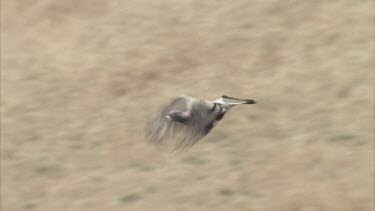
point(189, 119)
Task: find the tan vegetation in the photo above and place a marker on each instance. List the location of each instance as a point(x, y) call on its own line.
point(79, 80)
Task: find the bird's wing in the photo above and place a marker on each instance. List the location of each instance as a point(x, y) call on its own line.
point(186, 134)
point(199, 124)
point(159, 127)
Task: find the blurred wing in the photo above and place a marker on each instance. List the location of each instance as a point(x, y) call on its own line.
point(198, 125)
point(187, 134)
point(159, 127)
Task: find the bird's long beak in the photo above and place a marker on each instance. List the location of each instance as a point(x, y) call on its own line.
point(250, 102)
point(236, 101)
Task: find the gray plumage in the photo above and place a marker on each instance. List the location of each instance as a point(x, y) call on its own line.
point(189, 119)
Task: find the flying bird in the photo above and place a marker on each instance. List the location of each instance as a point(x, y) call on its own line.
point(189, 119)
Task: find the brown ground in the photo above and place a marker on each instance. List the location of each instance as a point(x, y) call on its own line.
point(81, 78)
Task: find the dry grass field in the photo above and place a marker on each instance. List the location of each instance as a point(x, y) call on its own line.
point(80, 79)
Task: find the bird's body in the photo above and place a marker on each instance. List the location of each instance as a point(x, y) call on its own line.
point(189, 119)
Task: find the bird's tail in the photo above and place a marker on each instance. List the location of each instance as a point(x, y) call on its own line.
point(235, 101)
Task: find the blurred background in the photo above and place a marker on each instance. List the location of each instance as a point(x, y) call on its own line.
point(80, 79)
